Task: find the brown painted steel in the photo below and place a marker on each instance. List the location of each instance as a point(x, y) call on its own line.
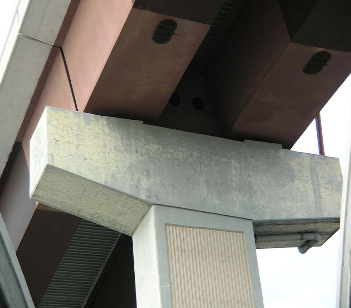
point(327, 26)
point(258, 87)
point(203, 11)
point(288, 100)
point(140, 75)
point(252, 45)
point(184, 116)
point(66, 24)
point(89, 42)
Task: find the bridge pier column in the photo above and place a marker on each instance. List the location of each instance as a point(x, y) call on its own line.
point(185, 258)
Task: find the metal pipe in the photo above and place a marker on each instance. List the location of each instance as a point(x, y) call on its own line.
point(310, 238)
point(320, 134)
point(308, 245)
point(287, 237)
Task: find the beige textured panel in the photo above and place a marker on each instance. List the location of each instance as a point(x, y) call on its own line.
point(208, 268)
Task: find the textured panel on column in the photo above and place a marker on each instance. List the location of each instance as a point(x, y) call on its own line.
point(208, 268)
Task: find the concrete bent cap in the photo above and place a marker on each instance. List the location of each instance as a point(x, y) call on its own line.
point(110, 171)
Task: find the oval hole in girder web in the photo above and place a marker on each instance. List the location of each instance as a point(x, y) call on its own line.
point(317, 62)
point(198, 103)
point(164, 31)
point(174, 99)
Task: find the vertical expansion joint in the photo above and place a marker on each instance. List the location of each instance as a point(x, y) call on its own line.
point(69, 78)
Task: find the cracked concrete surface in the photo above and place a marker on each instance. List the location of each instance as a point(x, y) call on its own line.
point(87, 164)
point(33, 31)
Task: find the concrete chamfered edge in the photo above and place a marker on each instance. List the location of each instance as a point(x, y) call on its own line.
point(13, 285)
point(110, 171)
point(34, 28)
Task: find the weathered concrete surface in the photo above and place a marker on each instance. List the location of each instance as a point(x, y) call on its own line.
point(44, 19)
point(13, 287)
point(34, 28)
point(111, 170)
point(324, 227)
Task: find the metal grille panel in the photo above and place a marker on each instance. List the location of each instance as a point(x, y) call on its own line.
point(80, 266)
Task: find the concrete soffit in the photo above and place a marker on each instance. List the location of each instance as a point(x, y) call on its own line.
point(34, 28)
point(13, 288)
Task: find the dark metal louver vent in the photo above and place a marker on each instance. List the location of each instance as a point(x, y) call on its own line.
point(164, 31)
point(206, 43)
point(80, 266)
point(317, 62)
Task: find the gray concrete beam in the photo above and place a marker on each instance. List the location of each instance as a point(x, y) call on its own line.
point(13, 287)
point(110, 171)
point(33, 31)
point(44, 19)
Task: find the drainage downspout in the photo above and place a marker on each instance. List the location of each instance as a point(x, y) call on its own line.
point(320, 134)
point(310, 238)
